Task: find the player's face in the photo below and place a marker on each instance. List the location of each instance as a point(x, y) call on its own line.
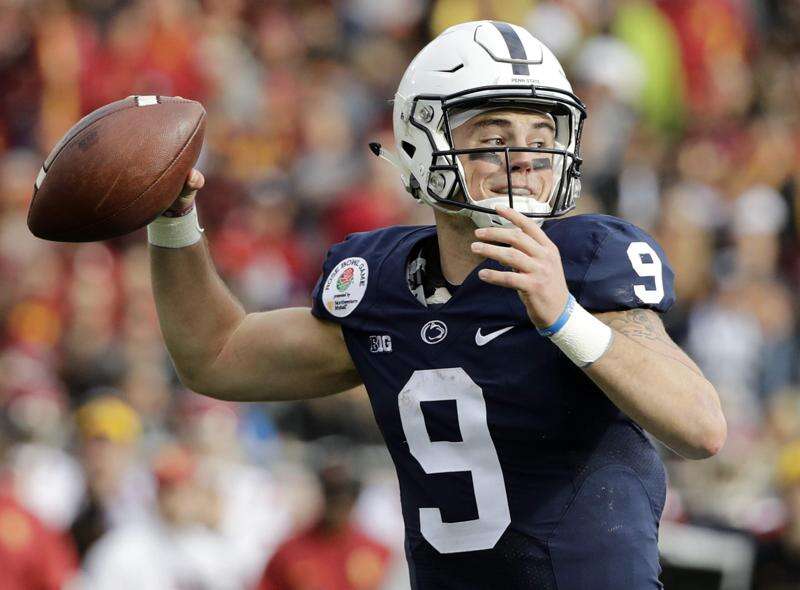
point(486, 175)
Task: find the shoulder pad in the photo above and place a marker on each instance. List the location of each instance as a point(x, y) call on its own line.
point(347, 286)
point(611, 265)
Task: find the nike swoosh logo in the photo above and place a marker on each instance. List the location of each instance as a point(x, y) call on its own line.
point(480, 339)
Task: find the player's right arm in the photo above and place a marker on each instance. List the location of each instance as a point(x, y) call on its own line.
point(220, 350)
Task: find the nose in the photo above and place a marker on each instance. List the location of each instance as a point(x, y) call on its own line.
point(520, 161)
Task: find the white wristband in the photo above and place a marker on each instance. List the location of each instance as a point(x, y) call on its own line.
point(582, 337)
point(175, 232)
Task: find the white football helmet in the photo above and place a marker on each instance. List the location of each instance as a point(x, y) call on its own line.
point(468, 69)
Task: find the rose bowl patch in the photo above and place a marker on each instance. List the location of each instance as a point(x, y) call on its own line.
point(345, 286)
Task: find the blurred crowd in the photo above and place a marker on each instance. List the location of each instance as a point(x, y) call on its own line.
point(114, 476)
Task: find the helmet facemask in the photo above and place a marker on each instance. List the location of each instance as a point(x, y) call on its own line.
point(471, 176)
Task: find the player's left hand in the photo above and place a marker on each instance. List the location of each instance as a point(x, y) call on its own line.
point(539, 277)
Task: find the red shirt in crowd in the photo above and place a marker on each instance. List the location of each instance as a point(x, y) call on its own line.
point(32, 557)
point(321, 560)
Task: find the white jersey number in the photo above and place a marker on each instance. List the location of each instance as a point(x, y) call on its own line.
point(474, 453)
point(652, 268)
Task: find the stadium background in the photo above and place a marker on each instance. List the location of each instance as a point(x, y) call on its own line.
point(692, 134)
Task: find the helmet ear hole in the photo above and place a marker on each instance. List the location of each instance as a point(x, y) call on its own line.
point(408, 148)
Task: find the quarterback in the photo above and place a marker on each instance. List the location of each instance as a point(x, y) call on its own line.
point(514, 357)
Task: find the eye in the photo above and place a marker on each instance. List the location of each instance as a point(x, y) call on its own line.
point(494, 141)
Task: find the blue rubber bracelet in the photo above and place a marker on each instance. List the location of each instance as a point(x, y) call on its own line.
point(560, 320)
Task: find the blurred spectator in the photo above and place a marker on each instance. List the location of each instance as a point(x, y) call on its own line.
point(47, 480)
point(259, 250)
point(119, 489)
point(778, 559)
point(714, 40)
point(93, 353)
point(32, 556)
point(332, 554)
point(147, 388)
point(648, 32)
point(20, 79)
point(177, 548)
point(377, 202)
point(253, 511)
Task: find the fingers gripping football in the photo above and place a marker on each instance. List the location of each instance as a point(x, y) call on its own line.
point(194, 182)
point(539, 275)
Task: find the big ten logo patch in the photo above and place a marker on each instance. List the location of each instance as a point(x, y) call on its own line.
point(345, 286)
point(380, 343)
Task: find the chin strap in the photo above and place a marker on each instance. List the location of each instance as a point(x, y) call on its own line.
point(523, 205)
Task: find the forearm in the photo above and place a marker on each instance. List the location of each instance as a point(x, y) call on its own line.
point(664, 394)
point(631, 358)
point(196, 311)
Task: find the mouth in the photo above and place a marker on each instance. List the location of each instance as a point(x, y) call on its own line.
point(521, 191)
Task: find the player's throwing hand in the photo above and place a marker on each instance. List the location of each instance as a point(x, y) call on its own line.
point(539, 277)
point(194, 182)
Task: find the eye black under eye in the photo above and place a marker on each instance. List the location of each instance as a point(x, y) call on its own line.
point(541, 164)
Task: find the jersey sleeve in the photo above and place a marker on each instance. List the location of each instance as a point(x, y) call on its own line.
point(619, 267)
point(348, 286)
point(343, 289)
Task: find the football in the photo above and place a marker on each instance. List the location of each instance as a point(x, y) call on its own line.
point(117, 169)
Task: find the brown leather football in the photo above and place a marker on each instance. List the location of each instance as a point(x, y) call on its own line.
point(117, 169)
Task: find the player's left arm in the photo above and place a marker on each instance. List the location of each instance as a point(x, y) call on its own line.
point(642, 371)
point(655, 383)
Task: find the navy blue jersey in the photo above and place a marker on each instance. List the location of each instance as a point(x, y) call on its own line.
point(515, 470)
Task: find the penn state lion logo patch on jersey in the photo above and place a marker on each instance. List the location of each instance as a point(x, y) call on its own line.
point(345, 286)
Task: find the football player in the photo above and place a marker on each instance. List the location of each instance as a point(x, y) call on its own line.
point(514, 358)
